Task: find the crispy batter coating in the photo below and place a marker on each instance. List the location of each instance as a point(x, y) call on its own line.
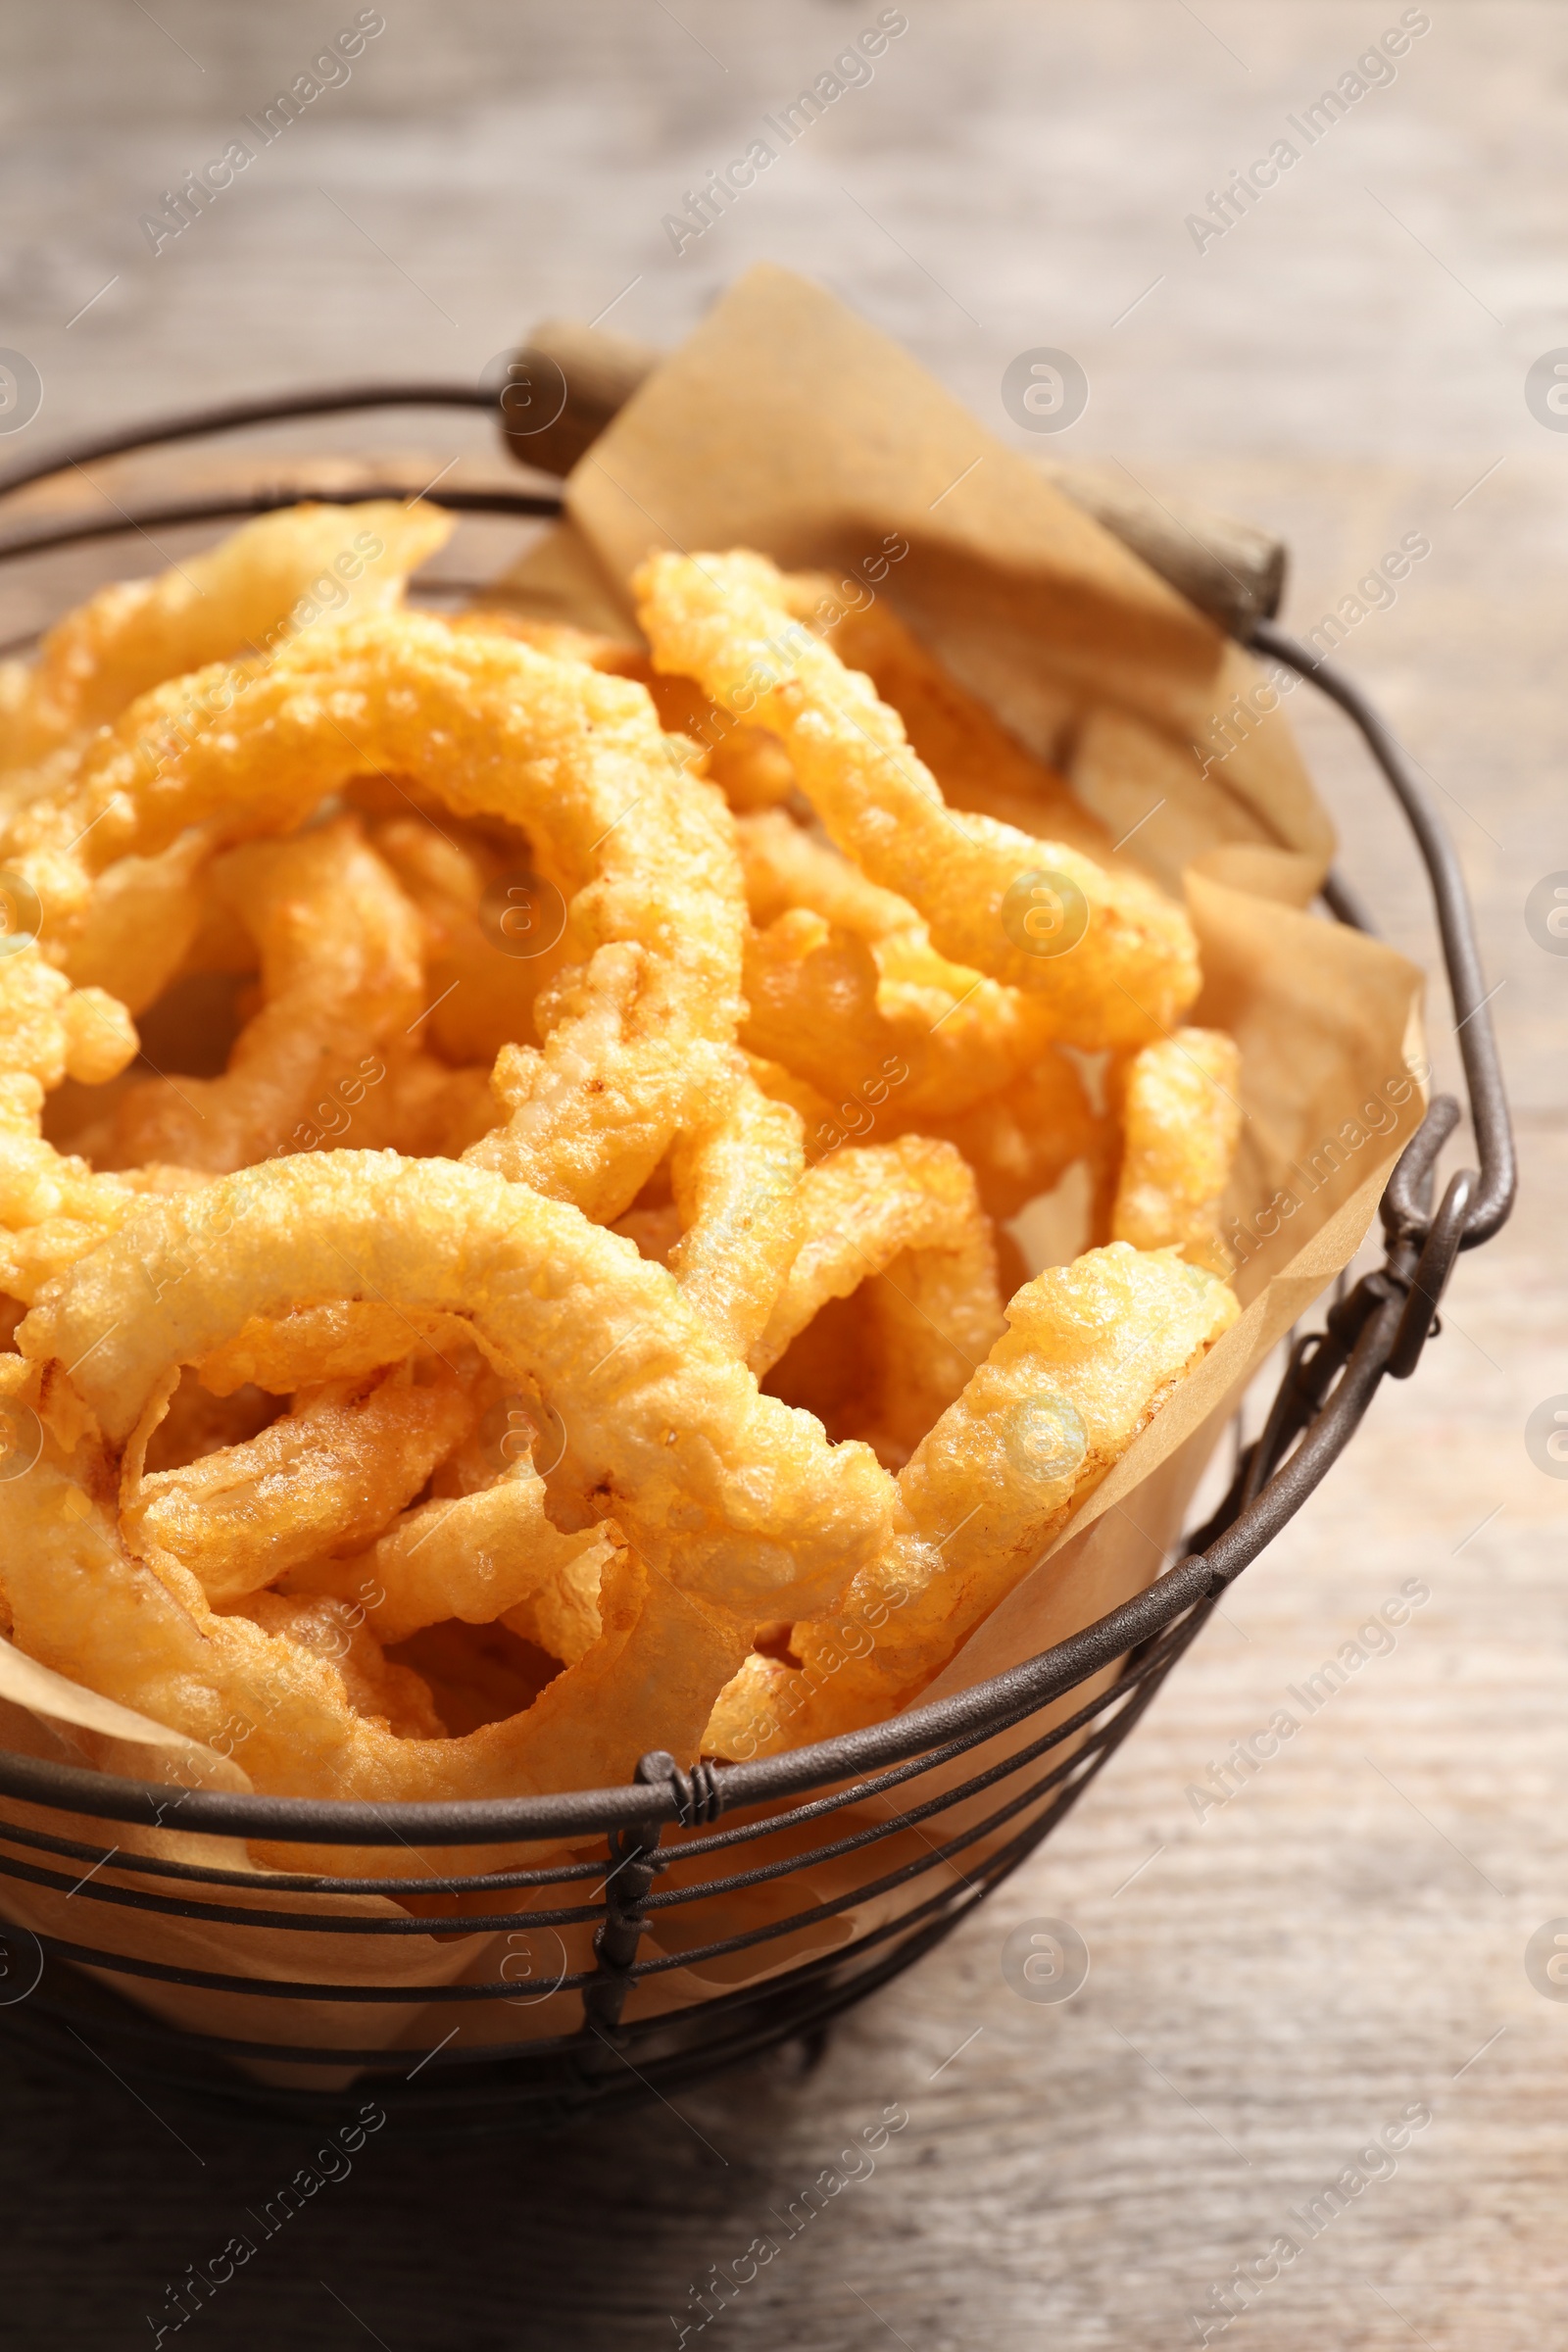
point(196, 1423)
point(1092, 1351)
point(834, 1008)
point(374, 1685)
point(339, 1339)
point(329, 1474)
point(50, 1031)
point(1182, 1119)
point(642, 853)
point(482, 1556)
point(342, 974)
point(142, 920)
point(977, 762)
point(1022, 1139)
point(904, 1218)
point(842, 979)
point(288, 572)
point(735, 1178)
point(255, 1680)
point(729, 1231)
point(53, 1206)
point(730, 1494)
point(624, 1000)
point(1131, 972)
point(786, 866)
point(749, 764)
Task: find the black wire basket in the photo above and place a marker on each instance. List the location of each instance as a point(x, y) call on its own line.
point(917, 1818)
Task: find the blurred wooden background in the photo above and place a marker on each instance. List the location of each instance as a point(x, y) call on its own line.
point(1346, 365)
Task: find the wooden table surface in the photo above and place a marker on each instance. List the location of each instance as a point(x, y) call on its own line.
point(1344, 1942)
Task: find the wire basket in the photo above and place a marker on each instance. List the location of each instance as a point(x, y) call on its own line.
point(972, 1784)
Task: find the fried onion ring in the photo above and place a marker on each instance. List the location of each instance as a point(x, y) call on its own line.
point(1130, 974)
point(749, 764)
point(841, 977)
point(54, 1206)
point(979, 765)
point(331, 1472)
point(342, 973)
point(291, 1396)
point(296, 568)
point(144, 914)
point(1092, 1351)
point(643, 854)
point(827, 1005)
point(81, 1605)
point(786, 866)
point(53, 1031)
point(481, 1557)
point(1182, 1120)
point(735, 1179)
point(729, 1494)
point(906, 1212)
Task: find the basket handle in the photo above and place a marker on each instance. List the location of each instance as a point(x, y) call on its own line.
point(1487, 1212)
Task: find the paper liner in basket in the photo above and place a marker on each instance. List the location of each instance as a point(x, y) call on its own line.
point(787, 424)
point(42, 1714)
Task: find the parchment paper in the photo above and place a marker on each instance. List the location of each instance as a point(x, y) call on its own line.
point(786, 424)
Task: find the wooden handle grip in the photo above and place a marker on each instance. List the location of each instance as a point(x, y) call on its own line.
point(563, 387)
point(575, 379)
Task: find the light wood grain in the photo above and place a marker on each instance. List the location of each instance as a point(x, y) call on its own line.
point(1274, 1983)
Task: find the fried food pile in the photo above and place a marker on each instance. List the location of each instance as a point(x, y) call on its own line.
point(505, 1144)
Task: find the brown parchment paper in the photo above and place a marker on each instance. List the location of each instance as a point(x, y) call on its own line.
point(787, 424)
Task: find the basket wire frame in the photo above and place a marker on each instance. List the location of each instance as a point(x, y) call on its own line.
point(1374, 1327)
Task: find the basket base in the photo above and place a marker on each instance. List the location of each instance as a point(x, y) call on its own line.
point(72, 2022)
